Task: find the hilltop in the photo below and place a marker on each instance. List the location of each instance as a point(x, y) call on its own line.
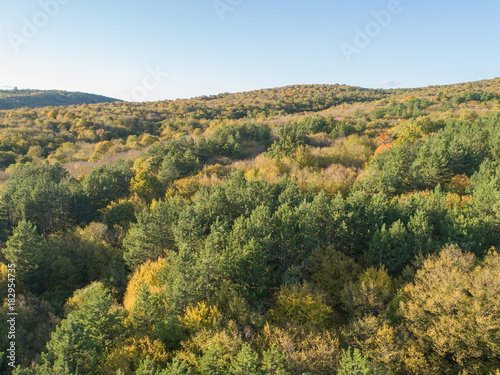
point(11, 99)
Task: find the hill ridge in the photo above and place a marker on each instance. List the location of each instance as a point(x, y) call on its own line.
point(32, 98)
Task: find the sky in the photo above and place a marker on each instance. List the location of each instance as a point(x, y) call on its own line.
point(167, 49)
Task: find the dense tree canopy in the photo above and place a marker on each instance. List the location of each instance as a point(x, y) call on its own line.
point(302, 230)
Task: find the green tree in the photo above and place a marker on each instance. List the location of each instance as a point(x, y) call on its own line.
point(177, 368)
point(485, 186)
point(291, 136)
point(27, 250)
point(148, 367)
point(152, 236)
point(391, 247)
point(246, 362)
point(85, 336)
point(388, 172)
point(341, 129)
point(81, 209)
point(247, 260)
point(121, 214)
point(296, 243)
point(108, 183)
point(170, 331)
point(274, 362)
point(40, 193)
point(176, 165)
point(354, 363)
point(213, 363)
point(432, 164)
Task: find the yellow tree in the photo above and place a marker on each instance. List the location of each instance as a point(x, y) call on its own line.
point(452, 311)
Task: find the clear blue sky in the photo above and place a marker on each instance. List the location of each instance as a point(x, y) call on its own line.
point(109, 47)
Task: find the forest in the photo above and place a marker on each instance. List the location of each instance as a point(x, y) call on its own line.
point(15, 98)
point(303, 230)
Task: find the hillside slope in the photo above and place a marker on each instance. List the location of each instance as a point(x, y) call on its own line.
point(11, 99)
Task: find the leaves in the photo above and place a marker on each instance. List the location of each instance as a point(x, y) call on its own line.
point(452, 309)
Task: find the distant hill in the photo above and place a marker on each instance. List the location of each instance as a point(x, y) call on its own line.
point(11, 99)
